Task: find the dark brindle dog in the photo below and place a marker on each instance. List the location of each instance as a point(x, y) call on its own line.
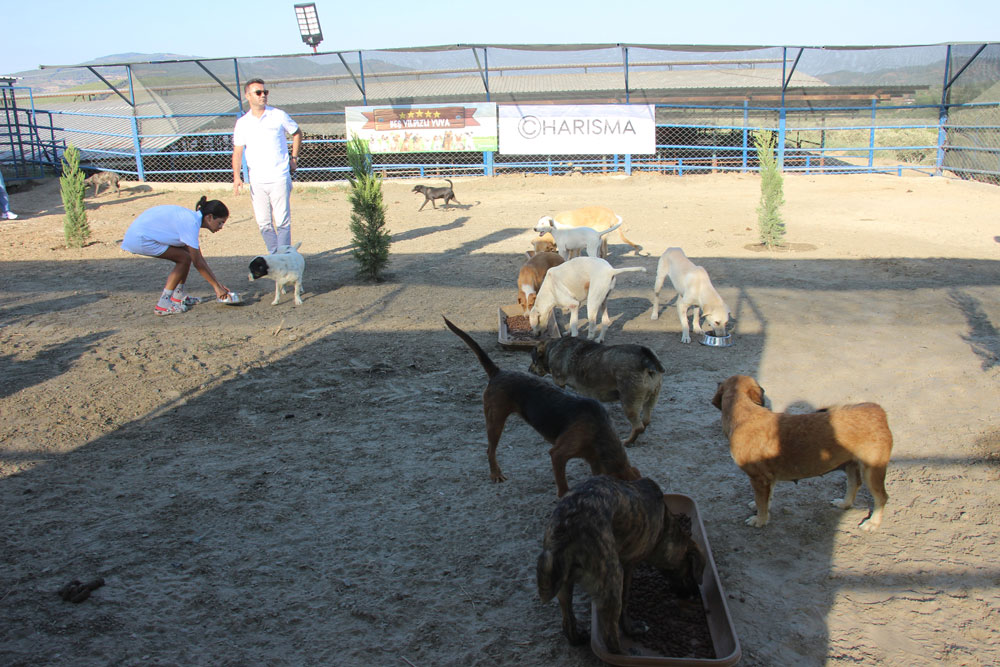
point(630, 373)
point(430, 194)
point(577, 427)
point(597, 534)
point(109, 178)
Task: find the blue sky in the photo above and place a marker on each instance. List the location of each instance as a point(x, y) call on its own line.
point(60, 32)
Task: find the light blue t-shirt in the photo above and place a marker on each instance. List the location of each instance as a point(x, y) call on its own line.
point(167, 224)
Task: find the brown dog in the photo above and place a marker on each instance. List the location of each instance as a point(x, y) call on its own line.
point(632, 374)
point(530, 277)
point(772, 447)
point(577, 427)
point(597, 534)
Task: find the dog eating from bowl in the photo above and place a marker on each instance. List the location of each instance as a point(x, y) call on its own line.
point(284, 266)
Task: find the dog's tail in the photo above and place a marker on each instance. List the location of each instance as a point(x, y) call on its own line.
point(548, 573)
point(613, 227)
point(628, 269)
point(621, 235)
point(651, 362)
point(488, 365)
point(450, 185)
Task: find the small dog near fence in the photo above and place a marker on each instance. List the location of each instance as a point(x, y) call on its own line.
point(109, 178)
point(430, 194)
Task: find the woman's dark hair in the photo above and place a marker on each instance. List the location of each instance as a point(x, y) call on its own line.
point(212, 207)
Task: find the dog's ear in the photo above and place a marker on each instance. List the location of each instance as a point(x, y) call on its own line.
point(756, 394)
point(717, 399)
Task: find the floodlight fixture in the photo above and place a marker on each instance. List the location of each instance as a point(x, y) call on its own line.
point(309, 24)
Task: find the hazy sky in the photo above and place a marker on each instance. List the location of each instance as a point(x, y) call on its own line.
point(62, 32)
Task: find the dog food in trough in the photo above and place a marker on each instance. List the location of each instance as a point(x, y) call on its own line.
point(681, 632)
point(514, 329)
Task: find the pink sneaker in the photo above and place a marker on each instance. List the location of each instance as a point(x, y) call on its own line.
point(171, 308)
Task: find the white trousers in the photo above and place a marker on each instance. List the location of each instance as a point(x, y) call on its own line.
point(273, 212)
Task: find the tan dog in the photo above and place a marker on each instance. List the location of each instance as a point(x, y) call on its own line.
point(567, 285)
point(577, 427)
point(774, 447)
point(694, 288)
point(529, 278)
point(598, 533)
point(595, 217)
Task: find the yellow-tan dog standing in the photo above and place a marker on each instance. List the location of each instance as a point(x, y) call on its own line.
point(774, 447)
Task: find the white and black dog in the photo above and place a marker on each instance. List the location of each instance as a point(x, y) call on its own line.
point(285, 266)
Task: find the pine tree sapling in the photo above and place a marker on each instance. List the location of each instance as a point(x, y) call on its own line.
point(369, 236)
point(72, 188)
point(769, 223)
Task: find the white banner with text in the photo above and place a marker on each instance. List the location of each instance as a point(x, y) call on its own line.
point(592, 129)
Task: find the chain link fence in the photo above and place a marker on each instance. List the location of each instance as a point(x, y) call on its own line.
point(927, 108)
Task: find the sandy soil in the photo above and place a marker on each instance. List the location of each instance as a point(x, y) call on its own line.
point(308, 485)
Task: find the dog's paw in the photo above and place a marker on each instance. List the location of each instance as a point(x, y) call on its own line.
point(685, 338)
point(868, 526)
point(756, 522)
point(841, 503)
point(654, 316)
point(752, 504)
point(298, 301)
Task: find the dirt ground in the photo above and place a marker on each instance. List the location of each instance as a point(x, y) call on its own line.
point(289, 485)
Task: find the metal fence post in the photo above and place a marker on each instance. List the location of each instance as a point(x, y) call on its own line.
point(781, 138)
point(628, 164)
point(136, 141)
point(746, 131)
point(943, 116)
point(871, 138)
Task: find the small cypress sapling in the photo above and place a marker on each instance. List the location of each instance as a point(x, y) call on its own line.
point(371, 239)
point(769, 223)
point(72, 188)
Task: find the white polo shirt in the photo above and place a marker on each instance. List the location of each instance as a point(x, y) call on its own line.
point(265, 143)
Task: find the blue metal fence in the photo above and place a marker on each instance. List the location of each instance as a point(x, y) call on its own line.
point(191, 139)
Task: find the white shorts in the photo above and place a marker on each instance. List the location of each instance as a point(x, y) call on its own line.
point(143, 245)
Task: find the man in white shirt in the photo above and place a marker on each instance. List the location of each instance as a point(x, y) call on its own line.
point(260, 134)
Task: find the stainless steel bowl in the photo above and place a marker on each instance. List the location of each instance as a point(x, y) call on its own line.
point(712, 340)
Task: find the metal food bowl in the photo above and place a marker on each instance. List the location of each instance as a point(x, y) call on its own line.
point(712, 340)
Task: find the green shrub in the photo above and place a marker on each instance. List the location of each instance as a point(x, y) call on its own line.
point(769, 223)
point(370, 237)
point(72, 188)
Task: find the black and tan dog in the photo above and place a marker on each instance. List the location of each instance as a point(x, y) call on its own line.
point(630, 373)
point(596, 536)
point(430, 194)
point(772, 447)
point(577, 427)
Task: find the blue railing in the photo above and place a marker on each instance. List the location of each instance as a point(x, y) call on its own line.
point(688, 148)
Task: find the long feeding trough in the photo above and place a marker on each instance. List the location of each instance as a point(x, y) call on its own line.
point(700, 632)
point(514, 332)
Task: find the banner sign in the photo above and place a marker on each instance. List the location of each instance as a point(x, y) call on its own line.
point(593, 129)
point(425, 128)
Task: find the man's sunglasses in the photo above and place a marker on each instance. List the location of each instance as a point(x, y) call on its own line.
point(258, 93)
